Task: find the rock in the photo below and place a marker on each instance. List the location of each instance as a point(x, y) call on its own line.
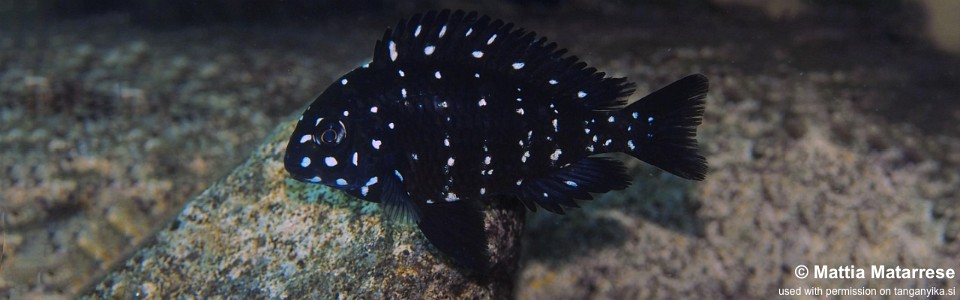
point(259, 234)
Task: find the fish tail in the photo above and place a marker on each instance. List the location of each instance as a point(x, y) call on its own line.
point(662, 129)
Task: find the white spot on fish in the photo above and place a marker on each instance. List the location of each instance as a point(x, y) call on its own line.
point(555, 128)
point(376, 144)
point(635, 115)
point(486, 160)
point(553, 82)
point(429, 49)
point(417, 32)
point(556, 155)
point(305, 162)
point(330, 161)
point(413, 156)
point(482, 102)
point(300, 118)
point(373, 109)
point(545, 195)
point(314, 179)
point(607, 143)
point(403, 92)
point(477, 75)
point(594, 138)
point(630, 144)
point(443, 104)
point(570, 183)
point(346, 113)
point(611, 119)
point(483, 191)
point(526, 154)
point(393, 51)
point(442, 31)
point(429, 201)
point(355, 157)
point(364, 190)
point(630, 128)
point(650, 120)
point(469, 31)
point(581, 94)
point(395, 172)
point(401, 73)
point(390, 125)
point(446, 142)
point(520, 110)
point(450, 161)
point(451, 197)
point(519, 182)
point(436, 74)
point(518, 65)
point(477, 53)
point(586, 130)
point(372, 181)
point(318, 122)
point(492, 38)
point(341, 181)
point(343, 81)
point(305, 138)
point(590, 148)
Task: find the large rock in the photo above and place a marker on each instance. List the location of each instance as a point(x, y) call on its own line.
point(259, 234)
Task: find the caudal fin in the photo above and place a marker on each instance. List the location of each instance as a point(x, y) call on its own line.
point(664, 127)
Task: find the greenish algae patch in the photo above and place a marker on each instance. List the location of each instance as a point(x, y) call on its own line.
point(314, 193)
point(258, 234)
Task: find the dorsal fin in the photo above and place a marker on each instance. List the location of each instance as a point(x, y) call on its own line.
point(473, 41)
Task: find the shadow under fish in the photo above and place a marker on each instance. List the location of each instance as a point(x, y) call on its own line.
point(456, 109)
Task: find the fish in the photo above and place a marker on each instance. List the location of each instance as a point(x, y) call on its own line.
point(457, 108)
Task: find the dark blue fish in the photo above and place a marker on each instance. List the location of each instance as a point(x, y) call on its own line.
point(456, 108)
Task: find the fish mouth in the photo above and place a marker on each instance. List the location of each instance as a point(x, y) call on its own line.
point(300, 176)
point(303, 177)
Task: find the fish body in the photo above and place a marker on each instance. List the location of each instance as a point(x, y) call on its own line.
point(456, 108)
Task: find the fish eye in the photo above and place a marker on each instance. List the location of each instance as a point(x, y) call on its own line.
point(331, 133)
point(328, 136)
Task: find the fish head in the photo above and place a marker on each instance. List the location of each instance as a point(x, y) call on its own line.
point(329, 146)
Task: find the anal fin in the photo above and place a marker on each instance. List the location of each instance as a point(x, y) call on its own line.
point(575, 182)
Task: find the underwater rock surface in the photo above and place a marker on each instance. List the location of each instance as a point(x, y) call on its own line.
point(259, 234)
